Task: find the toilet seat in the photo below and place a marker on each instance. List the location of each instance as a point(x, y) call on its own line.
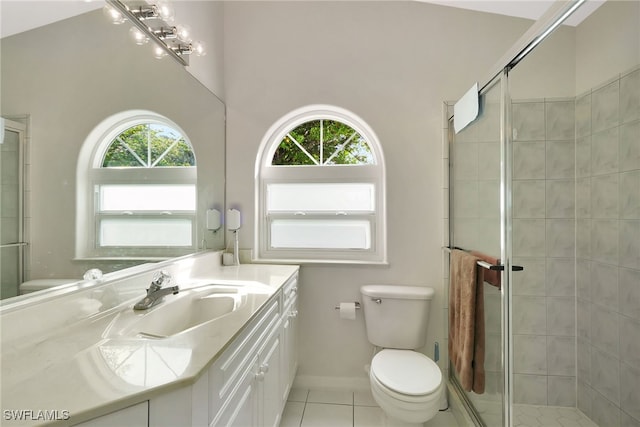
point(407, 374)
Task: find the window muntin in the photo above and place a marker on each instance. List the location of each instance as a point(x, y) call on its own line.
point(148, 145)
point(321, 189)
point(321, 143)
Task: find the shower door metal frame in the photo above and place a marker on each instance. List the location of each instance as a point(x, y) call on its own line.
point(20, 244)
point(505, 249)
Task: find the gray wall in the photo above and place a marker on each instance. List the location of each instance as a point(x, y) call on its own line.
point(392, 63)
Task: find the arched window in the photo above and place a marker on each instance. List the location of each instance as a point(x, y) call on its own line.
point(141, 194)
point(320, 189)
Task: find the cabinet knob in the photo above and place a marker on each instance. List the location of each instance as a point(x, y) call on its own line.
point(293, 313)
point(264, 368)
point(259, 376)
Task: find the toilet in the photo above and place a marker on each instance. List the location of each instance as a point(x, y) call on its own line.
point(407, 385)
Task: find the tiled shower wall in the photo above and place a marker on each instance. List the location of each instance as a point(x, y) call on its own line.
point(9, 158)
point(543, 243)
point(608, 251)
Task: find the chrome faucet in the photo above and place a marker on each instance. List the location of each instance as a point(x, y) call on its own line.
point(156, 293)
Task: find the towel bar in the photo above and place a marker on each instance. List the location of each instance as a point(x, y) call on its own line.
point(483, 264)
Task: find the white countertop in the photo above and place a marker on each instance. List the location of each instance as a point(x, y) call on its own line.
point(77, 365)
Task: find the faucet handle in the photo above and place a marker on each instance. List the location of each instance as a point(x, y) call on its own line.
point(160, 278)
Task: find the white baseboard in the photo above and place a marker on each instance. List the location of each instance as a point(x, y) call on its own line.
point(340, 383)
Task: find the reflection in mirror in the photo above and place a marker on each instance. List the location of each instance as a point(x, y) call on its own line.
point(59, 83)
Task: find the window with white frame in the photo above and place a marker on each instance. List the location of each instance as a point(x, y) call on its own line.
point(142, 199)
point(320, 189)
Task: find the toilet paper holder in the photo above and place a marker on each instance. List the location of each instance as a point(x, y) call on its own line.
point(337, 307)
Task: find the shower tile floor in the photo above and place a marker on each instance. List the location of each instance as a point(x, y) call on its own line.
point(549, 416)
point(535, 416)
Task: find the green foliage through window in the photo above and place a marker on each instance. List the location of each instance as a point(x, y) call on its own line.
point(147, 146)
point(323, 142)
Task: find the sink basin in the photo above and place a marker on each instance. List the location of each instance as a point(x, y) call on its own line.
point(187, 310)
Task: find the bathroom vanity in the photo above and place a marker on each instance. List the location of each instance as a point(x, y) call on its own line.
point(221, 352)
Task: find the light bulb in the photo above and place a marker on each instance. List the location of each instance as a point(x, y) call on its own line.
point(166, 11)
point(159, 52)
point(138, 36)
point(113, 14)
point(184, 33)
point(198, 48)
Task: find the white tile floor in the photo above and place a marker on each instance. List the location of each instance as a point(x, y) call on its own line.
point(341, 408)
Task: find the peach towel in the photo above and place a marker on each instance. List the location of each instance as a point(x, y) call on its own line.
point(466, 320)
point(492, 277)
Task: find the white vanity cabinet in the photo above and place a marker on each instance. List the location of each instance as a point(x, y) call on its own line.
point(248, 384)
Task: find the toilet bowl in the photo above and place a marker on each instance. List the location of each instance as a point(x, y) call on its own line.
point(407, 386)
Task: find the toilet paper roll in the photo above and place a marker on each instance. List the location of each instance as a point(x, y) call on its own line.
point(348, 310)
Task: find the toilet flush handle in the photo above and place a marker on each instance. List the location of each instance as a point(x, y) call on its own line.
point(377, 300)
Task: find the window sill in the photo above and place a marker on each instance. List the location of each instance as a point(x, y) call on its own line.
point(320, 262)
point(123, 258)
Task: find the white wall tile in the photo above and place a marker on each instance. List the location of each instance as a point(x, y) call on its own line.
point(605, 330)
point(630, 146)
point(560, 239)
point(630, 97)
point(604, 152)
point(605, 106)
point(560, 159)
point(560, 198)
point(629, 396)
point(561, 391)
point(528, 121)
point(529, 160)
point(605, 375)
point(561, 358)
point(560, 277)
point(529, 198)
point(629, 280)
point(530, 354)
point(629, 194)
point(529, 315)
point(561, 316)
point(604, 240)
point(604, 285)
point(560, 120)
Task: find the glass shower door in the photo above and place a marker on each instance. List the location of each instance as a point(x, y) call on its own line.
point(11, 209)
point(478, 223)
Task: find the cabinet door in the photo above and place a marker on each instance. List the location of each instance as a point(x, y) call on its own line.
point(269, 378)
point(241, 408)
point(289, 348)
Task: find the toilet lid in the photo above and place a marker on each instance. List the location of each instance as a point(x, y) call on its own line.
point(406, 372)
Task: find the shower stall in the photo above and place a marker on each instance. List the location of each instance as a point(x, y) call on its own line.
point(11, 207)
point(547, 180)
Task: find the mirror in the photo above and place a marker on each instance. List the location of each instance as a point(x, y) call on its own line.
point(62, 80)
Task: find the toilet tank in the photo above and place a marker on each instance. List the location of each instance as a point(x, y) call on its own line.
point(396, 316)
